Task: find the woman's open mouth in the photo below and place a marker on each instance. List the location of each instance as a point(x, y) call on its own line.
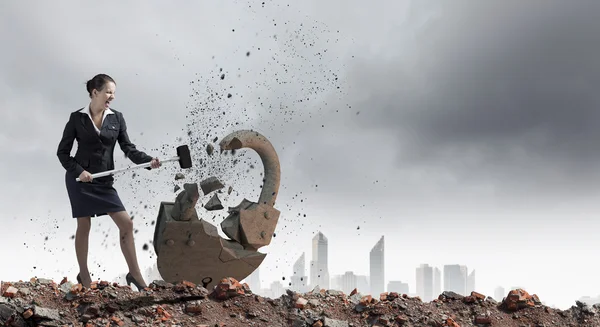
point(106, 104)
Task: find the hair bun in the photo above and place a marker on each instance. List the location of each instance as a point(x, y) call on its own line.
point(98, 82)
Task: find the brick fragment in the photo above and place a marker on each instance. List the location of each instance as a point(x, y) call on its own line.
point(76, 288)
point(482, 319)
point(193, 308)
point(11, 292)
point(117, 320)
point(401, 319)
point(518, 299)
point(188, 284)
point(478, 296)
point(27, 314)
point(301, 303)
point(366, 300)
point(450, 323)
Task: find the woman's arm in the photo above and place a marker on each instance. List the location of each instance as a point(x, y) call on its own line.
point(135, 155)
point(64, 149)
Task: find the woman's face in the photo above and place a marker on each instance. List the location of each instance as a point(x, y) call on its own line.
point(102, 98)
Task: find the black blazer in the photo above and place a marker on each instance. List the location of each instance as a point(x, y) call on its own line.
point(95, 152)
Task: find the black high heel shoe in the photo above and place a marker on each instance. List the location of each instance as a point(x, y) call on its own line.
point(130, 280)
point(79, 279)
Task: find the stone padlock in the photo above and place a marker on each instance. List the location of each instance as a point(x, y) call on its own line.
point(191, 248)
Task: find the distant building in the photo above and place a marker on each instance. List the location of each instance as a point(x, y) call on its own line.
point(349, 279)
point(471, 282)
point(590, 300)
point(377, 268)
point(437, 282)
point(348, 282)
point(319, 270)
point(299, 278)
point(455, 279)
point(362, 284)
point(424, 284)
point(253, 280)
point(465, 274)
point(397, 286)
point(335, 282)
point(276, 290)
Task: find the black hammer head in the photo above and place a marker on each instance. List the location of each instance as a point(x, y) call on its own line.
point(185, 159)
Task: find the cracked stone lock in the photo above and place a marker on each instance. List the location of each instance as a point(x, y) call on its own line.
point(192, 249)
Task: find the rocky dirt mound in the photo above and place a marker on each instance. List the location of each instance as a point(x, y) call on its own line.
point(41, 302)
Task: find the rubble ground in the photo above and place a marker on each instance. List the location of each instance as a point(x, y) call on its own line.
point(42, 302)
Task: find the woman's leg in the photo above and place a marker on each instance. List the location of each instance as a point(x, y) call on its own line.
point(82, 237)
point(125, 225)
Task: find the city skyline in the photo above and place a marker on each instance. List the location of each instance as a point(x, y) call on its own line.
point(429, 281)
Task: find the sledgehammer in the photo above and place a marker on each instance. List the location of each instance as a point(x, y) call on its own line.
point(183, 156)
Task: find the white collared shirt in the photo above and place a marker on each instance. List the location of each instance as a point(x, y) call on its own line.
point(107, 111)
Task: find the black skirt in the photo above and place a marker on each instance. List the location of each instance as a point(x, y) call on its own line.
point(92, 199)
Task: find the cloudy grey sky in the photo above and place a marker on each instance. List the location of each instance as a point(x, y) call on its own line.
point(465, 133)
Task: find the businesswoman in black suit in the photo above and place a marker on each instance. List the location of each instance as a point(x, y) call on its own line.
point(97, 128)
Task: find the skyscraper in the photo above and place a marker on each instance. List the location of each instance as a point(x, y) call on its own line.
point(319, 271)
point(299, 275)
point(276, 290)
point(253, 280)
point(349, 282)
point(437, 282)
point(362, 284)
point(425, 282)
point(335, 282)
point(471, 282)
point(397, 286)
point(455, 279)
point(377, 268)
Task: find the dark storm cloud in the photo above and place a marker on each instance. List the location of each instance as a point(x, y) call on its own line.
point(502, 93)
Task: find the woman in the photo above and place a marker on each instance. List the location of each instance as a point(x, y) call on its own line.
point(97, 128)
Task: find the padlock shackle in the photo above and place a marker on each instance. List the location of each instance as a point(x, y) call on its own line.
point(257, 142)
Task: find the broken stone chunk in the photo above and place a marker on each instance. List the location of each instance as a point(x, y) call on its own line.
point(301, 303)
point(210, 149)
point(185, 203)
point(176, 188)
point(229, 190)
point(483, 320)
point(27, 314)
point(231, 224)
point(66, 287)
point(10, 292)
point(227, 288)
point(328, 322)
point(211, 184)
point(179, 176)
point(518, 299)
point(213, 204)
point(46, 313)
